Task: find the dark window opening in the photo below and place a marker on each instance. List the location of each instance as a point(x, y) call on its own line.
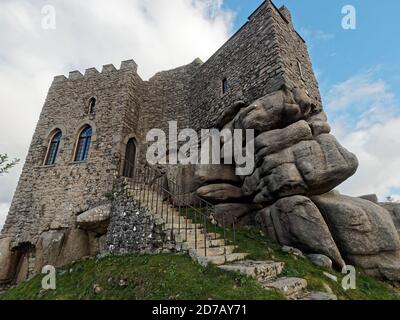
point(92, 106)
point(130, 159)
point(84, 141)
point(225, 86)
point(53, 148)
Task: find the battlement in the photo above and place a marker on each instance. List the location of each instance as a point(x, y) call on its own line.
point(127, 65)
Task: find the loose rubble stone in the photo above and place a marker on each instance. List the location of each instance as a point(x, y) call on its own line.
point(320, 260)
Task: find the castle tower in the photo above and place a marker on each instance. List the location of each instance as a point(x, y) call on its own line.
point(91, 124)
point(76, 150)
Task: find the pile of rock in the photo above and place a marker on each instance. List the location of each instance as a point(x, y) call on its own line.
point(289, 193)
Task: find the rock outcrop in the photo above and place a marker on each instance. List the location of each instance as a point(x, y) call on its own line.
point(297, 165)
point(297, 222)
point(364, 232)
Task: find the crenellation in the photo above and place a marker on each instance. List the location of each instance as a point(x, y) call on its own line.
point(59, 79)
point(129, 65)
point(91, 72)
point(108, 68)
point(74, 75)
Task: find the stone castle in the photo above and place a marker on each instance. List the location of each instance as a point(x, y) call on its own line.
point(92, 131)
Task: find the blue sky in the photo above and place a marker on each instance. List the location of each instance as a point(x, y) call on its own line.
point(338, 54)
point(359, 77)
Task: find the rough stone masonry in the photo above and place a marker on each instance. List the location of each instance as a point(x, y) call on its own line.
point(260, 79)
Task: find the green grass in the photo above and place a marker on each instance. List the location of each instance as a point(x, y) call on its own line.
point(164, 277)
point(251, 240)
point(367, 288)
point(175, 277)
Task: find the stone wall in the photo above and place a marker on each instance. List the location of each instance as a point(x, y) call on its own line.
point(133, 229)
point(257, 60)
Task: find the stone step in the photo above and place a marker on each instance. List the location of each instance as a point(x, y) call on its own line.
point(182, 226)
point(218, 260)
point(291, 287)
point(259, 270)
point(174, 219)
point(191, 237)
point(318, 296)
point(216, 251)
point(200, 244)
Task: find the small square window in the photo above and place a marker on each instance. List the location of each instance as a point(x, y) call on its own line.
point(225, 86)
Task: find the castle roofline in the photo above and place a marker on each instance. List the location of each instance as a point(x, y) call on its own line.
point(126, 65)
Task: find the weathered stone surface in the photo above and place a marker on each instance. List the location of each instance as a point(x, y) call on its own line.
point(259, 270)
point(7, 261)
point(383, 265)
point(320, 260)
point(289, 286)
point(218, 193)
point(326, 164)
point(208, 174)
point(251, 183)
point(48, 248)
point(394, 210)
point(370, 197)
point(240, 213)
point(319, 124)
point(274, 111)
point(23, 270)
point(76, 247)
point(96, 219)
point(97, 243)
point(297, 222)
point(363, 231)
point(273, 141)
point(283, 181)
point(229, 113)
point(307, 168)
point(320, 296)
point(293, 251)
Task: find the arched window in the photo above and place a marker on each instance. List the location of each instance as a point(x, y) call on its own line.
point(83, 146)
point(53, 148)
point(92, 106)
point(130, 159)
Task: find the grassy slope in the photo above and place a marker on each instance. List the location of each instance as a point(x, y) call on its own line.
point(178, 277)
point(163, 276)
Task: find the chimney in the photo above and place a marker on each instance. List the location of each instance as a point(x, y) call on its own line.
point(286, 14)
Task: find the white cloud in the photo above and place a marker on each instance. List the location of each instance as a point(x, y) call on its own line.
point(316, 35)
point(3, 213)
point(365, 116)
point(157, 34)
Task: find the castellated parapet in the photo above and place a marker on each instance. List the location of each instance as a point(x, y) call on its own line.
point(265, 54)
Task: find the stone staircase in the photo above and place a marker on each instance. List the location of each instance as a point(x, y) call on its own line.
point(203, 246)
point(268, 273)
point(210, 248)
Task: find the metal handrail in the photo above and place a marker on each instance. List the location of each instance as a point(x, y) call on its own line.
point(146, 180)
